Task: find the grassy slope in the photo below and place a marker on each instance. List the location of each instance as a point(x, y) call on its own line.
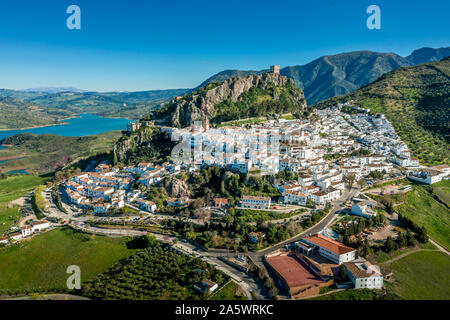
point(11, 189)
point(44, 153)
point(422, 275)
point(41, 263)
point(423, 209)
point(17, 114)
point(415, 100)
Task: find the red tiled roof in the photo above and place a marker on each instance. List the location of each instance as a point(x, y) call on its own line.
point(329, 244)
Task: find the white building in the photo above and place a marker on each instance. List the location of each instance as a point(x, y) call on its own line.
point(363, 209)
point(297, 197)
point(26, 230)
point(146, 205)
point(40, 225)
point(330, 249)
point(15, 236)
point(364, 275)
point(427, 176)
point(252, 202)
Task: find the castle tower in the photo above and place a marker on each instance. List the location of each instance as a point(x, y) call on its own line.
point(275, 69)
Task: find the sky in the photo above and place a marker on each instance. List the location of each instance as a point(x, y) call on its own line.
point(145, 44)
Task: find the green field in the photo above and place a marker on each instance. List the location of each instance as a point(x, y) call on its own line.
point(40, 264)
point(13, 188)
point(422, 275)
point(48, 152)
point(351, 294)
point(231, 291)
point(421, 207)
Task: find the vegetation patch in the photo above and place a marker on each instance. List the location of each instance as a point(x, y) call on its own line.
point(155, 273)
point(422, 275)
point(39, 264)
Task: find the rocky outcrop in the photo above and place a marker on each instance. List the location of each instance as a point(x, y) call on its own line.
point(175, 187)
point(202, 104)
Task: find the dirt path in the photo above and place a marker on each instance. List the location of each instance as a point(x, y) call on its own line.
point(440, 247)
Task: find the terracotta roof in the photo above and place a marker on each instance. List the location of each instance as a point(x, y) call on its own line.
point(360, 272)
point(329, 244)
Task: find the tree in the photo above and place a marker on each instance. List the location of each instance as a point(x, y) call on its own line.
point(389, 244)
point(342, 272)
point(362, 183)
point(422, 236)
point(402, 241)
point(410, 238)
point(350, 180)
point(114, 158)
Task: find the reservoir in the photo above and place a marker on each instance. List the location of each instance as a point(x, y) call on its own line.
point(85, 125)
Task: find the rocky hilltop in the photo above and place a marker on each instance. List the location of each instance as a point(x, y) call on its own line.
point(236, 98)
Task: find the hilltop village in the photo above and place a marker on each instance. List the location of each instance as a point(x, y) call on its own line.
point(286, 202)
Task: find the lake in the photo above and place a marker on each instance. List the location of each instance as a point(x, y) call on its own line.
point(85, 125)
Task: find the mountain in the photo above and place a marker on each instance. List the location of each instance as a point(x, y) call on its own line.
point(425, 55)
point(416, 100)
point(235, 98)
point(110, 104)
point(334, 75)
point(53, 89)
point(227, 74)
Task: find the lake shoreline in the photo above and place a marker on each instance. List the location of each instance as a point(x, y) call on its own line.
point(85, 124)
point(62, 122)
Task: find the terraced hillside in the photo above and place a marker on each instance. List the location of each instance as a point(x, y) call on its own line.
point(417, 102)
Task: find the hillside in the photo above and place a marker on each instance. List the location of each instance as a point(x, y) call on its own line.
point(235, 98)
point(23, 109)
point(416, 100)
point(333, 75)
point(48, 152)
point(17, 114)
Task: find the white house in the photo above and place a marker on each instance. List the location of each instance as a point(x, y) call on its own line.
point(252, 202)
point(295, 197)
point(363, 209)
point(427, 176)
point(101, 207)
point(3, 240)
point(15, 236)
point(146, 205)
point(330, 249)
point(40, 225)
point(26, 230)
point(365, 275)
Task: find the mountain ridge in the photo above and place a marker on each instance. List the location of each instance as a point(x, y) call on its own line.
point(342, 73)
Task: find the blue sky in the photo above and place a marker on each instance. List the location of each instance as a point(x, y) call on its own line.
point(141, 45)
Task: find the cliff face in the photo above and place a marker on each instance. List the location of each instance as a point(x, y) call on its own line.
point(206, 102)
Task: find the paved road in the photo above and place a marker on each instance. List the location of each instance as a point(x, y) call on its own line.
point(326, 221)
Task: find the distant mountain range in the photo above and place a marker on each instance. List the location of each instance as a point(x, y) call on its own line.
point(329, 76)
point(417, 102)
point(54, 89)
